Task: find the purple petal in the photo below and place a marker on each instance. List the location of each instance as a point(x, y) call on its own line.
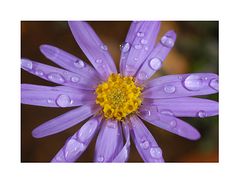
point(93, 48)
point(65, 121)
point(156, 57)
point(171, 124)
point(54, 97)
point(77, 144)
point(57, 75)
point(122, 156)
point(69, 62)
point(144, 141)
point(108, 142)
point(141, 46)
point(182, 107)
point(173, 86)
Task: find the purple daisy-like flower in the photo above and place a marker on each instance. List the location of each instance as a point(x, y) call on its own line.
point(116, 103)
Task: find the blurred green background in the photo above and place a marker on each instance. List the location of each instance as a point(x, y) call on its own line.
point(196, 50)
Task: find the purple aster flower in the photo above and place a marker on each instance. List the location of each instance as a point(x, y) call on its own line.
point(116, 103)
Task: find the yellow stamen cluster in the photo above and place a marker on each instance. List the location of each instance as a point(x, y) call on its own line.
point(118, 96)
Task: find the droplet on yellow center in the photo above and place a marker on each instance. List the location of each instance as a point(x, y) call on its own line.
point(118, 96)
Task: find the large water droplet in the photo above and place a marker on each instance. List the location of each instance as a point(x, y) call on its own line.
point(63, 100)
point(26, 64)
point(155, 63)
point(140, 34)
point(39, 73)
point(214, 84)
point(142, 76)
point(72, 148)
point(143, 41)
point(99, 61)
point(194, 82)
point(169, 89)
point(75, 79)
point(167, 41)
point(146, 112)
point(104, 47)
point(137, 46)
point(100, 158)
point(125, 47)
point(87, 131)
point(144, 143)
point(202, 114)
point(156, 152)
point(79, 63)
point(55, 77)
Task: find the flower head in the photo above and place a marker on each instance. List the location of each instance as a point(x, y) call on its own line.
point(117, 102)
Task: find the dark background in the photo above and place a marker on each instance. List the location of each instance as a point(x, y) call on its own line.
point(196, 50)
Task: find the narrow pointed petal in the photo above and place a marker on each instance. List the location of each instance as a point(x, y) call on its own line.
point(107, 145)
point(172, 86)
point(64, 121)
point(141, 46)
point(57, 75)
point(78, 143)
point(123, 155)
point(94, 49)
point(171, 124)
point(154, 61)
point(69, 62)
point(145, 143)
point(54, 97)
point(182, 107)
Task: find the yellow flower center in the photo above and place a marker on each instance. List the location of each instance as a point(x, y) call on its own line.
point(118, 96)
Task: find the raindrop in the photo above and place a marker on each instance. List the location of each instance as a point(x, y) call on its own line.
point(194, 82)
point(214, 84)
point(142, 76)
point(104, 47)
point(156, 152)
point(143, 41)
point(75, 79)
point(201, 114)
point(82, 146)
point(79, 63)
point(63, 100)
point(125, 47)
point(100, 158)
point(173, 123)
point(169, 89)
point(167, 41)
point(146, 112)
point(26, 64)
point(99, 61)
point(39, 73)
point(167, 112)
point(137, 46)
point(140, 34)
point(144, 143)
point(155, 63)
point(87, 131)
point(55, 77)
point(72, 148)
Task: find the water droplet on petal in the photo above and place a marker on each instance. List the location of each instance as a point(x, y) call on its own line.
point(142, 76)
point(214, 84)
point(167, 41)
point(26, 64)
point(111, 124)
point(99, 61)
point(202, 114)
point(100, 159)
point(155, 63)
point(75, 79)
point(169, 89)
point(104, 47)
point(137, 46)
point(146, 112)
point(173, 123)
point(72, 148)
point(63, 100)
point(144, 143)
point(39, 73)
point(194, 82)
point(87, 131)
point(140, 34)
point(166, 112)
point(55, 77)
point(79, 63)
point(156, 152)
point(143, 41)
point(125, 47)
